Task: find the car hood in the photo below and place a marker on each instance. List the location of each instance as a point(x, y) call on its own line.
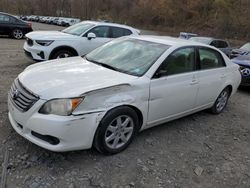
point(69, 77)
point(50, 35)
point(242, 60)
point(239, 51)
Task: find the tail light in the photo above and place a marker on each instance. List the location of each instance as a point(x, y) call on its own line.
point(29, 24)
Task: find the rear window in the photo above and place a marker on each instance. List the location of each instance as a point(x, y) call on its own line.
point(210, 59)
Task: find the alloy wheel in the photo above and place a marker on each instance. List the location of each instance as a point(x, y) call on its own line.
point(119, 132)
point(18, 34)
point(63, 55)
point(222, 101)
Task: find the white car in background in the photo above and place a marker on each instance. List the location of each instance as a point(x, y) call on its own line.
point(70, 21)
point(125, 86)
point(76, 40)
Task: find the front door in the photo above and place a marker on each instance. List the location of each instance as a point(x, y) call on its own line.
point(102, 36)
point(174, 87)
point(4, 24)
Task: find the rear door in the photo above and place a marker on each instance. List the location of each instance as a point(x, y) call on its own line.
point(117, 32)
point(211, 76)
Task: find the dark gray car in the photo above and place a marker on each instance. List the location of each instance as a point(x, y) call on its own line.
point(218, 43)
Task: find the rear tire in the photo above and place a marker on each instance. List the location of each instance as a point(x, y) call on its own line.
point(221, 102)
point(116, 130)
point(17, 34)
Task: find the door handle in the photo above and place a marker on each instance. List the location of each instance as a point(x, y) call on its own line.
point(194, 82)
point(223, 76)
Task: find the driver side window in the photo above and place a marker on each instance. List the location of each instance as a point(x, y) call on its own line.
point(180, 61)
point(100, 31)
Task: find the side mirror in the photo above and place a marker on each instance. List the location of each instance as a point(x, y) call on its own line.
point(91, 36)
point(160, 73)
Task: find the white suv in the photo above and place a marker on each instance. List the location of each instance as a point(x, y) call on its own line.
point(76, 40)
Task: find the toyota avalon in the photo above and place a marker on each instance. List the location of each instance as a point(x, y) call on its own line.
point(125, 86)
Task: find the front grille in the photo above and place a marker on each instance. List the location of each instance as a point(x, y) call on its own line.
point(245, 71)
point(29, 41)
point(21, 97)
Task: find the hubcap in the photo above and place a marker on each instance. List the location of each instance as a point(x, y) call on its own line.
point(18, 34)
point(119, 132)
point(62, 55)
point(222, 101)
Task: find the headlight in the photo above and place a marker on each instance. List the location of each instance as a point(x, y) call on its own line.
point(44, 42)
point(61, 107)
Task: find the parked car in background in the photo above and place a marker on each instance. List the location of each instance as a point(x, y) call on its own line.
point(218, 43)
point(13, 27)
point(60, 21)
point(55, 21)
point(245, 49)
point(69, 22)
point(76, 40)
point(244, 62)
point(125, 86)
point(184, 35)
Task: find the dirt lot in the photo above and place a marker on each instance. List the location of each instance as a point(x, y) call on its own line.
point(201, 150)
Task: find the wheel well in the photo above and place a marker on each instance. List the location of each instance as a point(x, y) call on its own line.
point(139, 114)
point(63, 48)
point(230, 87)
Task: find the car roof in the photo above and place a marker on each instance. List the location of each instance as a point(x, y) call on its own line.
point(111, 24)
point(7, 14)
point(209, 38)
point(171, 41)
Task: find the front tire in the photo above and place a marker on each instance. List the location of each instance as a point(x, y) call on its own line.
point(221, 102)
point(62, 54)
point(116, 130)
point(17, 34)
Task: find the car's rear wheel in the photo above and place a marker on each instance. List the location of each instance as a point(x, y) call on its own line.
point(221, 101)
point(17, 34)
point(62, 54)
point(116, 130)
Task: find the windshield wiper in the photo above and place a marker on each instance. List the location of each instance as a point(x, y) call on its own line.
point(102, 64)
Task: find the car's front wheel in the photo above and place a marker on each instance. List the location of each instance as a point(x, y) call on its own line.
point(62, 54)
point(116, 130)
point(221, 101)
point(17, 34)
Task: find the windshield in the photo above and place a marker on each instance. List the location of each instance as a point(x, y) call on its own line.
point(201, 40)
point(130, 56)
point(246, 46)
point(78, 29)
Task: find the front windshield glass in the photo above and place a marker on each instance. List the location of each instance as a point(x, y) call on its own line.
point(78, 29)
point(130, 56)
point(246, 46)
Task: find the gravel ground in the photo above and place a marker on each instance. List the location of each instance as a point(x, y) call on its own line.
point(201, 150)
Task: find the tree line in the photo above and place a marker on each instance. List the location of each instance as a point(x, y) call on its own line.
point(228, 18)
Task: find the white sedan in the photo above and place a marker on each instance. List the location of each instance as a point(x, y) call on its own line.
point(130, 84)
point(76, 40)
